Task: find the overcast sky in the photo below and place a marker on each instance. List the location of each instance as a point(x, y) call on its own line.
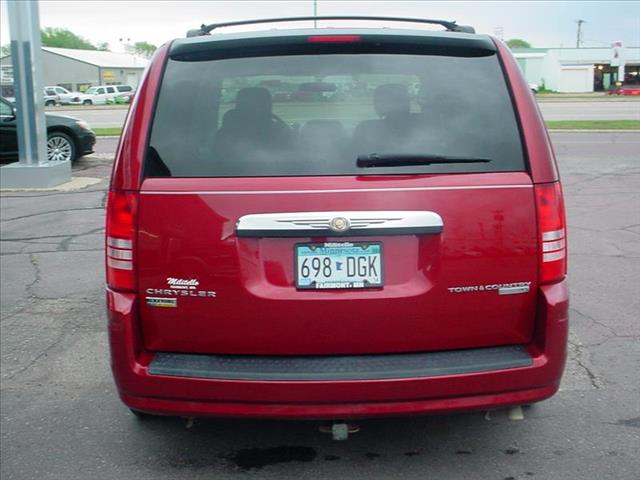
point(543, 24)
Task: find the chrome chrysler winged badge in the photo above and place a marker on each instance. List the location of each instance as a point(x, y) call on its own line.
point(339, 224)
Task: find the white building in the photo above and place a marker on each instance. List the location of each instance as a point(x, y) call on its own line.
point(579, 69)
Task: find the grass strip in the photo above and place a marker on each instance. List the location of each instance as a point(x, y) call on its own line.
point(107, 131)
point(593, 124)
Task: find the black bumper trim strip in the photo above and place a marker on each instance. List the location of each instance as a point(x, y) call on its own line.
point(343, 367)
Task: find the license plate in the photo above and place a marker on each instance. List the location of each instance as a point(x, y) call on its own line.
point(338, 265)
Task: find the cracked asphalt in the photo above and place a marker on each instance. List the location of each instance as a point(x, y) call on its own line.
point(61, 418)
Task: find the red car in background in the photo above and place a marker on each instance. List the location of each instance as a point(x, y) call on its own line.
point(626, 89)
point(401, 250)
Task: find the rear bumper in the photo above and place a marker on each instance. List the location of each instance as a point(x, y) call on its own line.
point(344, 399)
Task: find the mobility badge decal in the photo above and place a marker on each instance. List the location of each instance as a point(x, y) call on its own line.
point(162, 302)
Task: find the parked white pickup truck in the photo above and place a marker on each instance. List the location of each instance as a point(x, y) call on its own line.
point(62, 96)
point(103, 94)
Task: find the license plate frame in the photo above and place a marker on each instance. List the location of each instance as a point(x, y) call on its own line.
point(339, 284)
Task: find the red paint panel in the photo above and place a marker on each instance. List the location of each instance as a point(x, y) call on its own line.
point(489, 238)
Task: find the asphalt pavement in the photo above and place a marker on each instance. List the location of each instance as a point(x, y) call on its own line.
point(613, 110)
point(616, 109)
point(61, 418)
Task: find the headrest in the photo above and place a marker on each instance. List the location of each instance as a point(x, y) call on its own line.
point(255, 100)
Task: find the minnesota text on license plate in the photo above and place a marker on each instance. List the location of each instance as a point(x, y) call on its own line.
point(339, 265)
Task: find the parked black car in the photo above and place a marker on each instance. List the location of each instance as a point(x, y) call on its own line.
point(68, 138)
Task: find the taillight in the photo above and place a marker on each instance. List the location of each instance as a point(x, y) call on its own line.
point(333, 38)
point(552, 232)
point(121, 222)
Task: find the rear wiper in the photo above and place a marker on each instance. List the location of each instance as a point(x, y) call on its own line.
point(409, 159)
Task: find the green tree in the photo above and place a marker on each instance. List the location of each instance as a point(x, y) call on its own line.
point(144, 49)
point(518, 43)
point(63, 38)
point(103, 46)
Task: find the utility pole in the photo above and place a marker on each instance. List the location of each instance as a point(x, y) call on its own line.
point(579, 35)
point(315, 13)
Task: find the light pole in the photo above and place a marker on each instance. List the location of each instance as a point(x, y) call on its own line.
point(26, 52)
point(33, 168)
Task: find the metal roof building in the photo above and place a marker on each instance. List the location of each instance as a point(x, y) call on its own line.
point(77, 70)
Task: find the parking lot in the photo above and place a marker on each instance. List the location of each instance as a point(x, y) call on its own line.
point(603, 109)
point(61, 417)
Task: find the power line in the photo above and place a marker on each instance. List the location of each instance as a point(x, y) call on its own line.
point(596, 41)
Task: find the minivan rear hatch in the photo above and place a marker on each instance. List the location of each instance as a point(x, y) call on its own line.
point(309, 197)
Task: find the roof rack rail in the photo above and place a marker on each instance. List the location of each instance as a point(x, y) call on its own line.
point(451, 26)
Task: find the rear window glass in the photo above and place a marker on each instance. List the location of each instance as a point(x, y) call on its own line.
point(315, 114)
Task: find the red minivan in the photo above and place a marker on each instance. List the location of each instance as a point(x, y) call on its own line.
point(392, 243)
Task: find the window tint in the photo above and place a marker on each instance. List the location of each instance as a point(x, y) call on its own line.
point(313, 115)
point(111, 90)
point(50, 91)
point(100, 91)
point(124, 88)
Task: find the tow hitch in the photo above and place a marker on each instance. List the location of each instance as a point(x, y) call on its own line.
point(339, 430)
